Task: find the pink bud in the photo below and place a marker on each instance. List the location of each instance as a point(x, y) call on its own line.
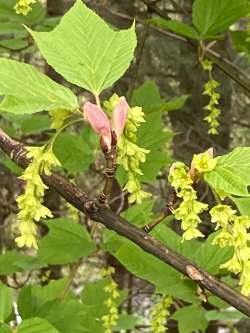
point(99, 121)
point(119, 116)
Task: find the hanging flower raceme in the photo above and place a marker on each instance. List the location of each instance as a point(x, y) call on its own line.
point(30, 203)
point(130, 155)
point(109, 130)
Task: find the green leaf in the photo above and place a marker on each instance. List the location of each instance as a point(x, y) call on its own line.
point(243, 204)
point(9, 27)
point(166, 279)
point(240, 42)
point(85, 50)
point(33, 297)
point(126, 322)
point(66, 316)
point(150, 134)
point(191, 318)
point(12, 262)
point(231, 173)
point(206, 255)
point(210, 257)
point(175, 103)
point(148, 96)
point(215, 16)
point(36, 325)
point(35, 123)
point(6, 302)
point(29, 91)
point(8, 163)
point(80, 152)
point(5, 329)
point(217, 302)
point(93, 298)
point(66, 242)
point(139, 214)
point(224, 315)
point(178, 27)
point(14, 44)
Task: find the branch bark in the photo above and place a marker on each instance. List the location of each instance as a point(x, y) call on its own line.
point(16, 151)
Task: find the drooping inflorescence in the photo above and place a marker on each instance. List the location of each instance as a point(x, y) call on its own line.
point(130, 155)
point(233, 231)
point(30, 203)
point(109, 320)
point(214, 97)
point(159, 314)
point(181, 178)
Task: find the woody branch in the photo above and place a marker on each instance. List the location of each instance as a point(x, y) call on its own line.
point(16, 151)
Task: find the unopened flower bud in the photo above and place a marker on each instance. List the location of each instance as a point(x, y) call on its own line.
point(119, 116)
point(100, 123)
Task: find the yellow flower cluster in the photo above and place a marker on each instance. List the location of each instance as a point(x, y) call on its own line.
point(30, 205)
point(211, 107)
point(181, 178)
point(24, 6)
point(233, 231)
point(190, 208)
point(130, 155)
point(109, 321)
point(159, 314)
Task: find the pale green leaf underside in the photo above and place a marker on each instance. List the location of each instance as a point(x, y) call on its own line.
point(232, 172)
point(85, 50)
point(27, 90)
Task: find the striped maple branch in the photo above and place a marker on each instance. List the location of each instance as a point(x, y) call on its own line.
point(16, 151)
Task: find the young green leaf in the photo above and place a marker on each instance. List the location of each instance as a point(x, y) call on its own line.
point(178, 27)
point(32, 297)
point(231, 174)
point(36, 325)
point(66, 242)
point(28, 91)
point(81, 150)
point(191, 318)
point(240, 42)
point(243, 204)
point(166, 279)
point(215, 16)
point(4, 328)
point(12, 262)
point(6, 302)
point(85, 50)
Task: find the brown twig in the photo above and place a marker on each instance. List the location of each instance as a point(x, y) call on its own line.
point(114, 222)
point(171, 204)
point(110, 157)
